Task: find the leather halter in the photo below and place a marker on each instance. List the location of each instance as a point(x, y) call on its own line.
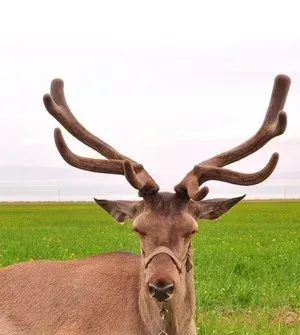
point(178, 262)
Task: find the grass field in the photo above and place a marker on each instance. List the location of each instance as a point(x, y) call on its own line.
point(247, 264)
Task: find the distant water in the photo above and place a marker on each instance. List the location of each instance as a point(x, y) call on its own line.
point(43, 191)
point(63, 191)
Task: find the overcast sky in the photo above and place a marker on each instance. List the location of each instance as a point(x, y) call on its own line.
point(166, 82)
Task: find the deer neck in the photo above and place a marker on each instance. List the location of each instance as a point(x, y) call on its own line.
point(180, 308)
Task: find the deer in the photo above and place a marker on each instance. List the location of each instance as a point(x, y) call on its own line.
point(122, 293)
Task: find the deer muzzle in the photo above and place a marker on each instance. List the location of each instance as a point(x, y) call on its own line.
point(161, 283)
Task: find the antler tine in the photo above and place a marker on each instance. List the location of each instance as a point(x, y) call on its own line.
point(274, 125)
point(233, 177)
point(111, 166)
point(57, 106)
point(117, 163)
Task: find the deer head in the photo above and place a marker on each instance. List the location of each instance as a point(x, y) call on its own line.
point(166, 222)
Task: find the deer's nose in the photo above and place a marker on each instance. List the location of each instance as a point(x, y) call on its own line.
point(161, 290)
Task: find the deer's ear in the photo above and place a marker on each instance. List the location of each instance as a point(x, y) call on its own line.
point(121, 210)
point(213, 208)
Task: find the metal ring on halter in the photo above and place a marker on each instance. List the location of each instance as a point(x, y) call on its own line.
point(163, 314)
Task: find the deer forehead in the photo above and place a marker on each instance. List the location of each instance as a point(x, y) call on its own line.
point(160, 223)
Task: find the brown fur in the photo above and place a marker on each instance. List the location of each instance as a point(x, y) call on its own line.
point(108, 294)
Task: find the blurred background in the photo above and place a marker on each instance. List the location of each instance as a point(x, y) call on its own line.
point(167, 83)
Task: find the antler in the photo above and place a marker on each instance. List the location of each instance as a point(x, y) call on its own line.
point(273, 125)
point(116, 163)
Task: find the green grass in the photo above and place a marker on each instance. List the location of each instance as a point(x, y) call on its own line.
point(247, 264)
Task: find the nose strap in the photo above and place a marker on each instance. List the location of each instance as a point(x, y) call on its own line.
point(164, 250)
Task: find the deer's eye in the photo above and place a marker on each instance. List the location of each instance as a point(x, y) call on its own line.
point(141, 233)
point(191, 233)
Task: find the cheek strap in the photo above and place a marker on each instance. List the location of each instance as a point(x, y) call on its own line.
point(189, 263)
point(175, 259)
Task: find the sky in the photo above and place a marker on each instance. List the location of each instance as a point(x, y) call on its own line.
point(168, 83)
